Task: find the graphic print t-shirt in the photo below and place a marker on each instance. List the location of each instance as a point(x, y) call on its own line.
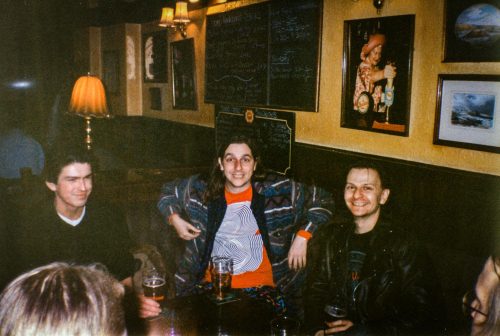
point(357, 254)
point(239, 238)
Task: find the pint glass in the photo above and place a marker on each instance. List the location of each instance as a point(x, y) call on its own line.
point(154, 285)
point(221, 271)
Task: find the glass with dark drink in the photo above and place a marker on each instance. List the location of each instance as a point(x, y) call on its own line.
point(334, 312)
point(221, 271)
point(154, 285)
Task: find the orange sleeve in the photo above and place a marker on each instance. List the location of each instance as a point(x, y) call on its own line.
point(304, 234)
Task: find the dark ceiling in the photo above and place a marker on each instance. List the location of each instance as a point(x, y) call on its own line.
point(134, 11)
point(37, 46)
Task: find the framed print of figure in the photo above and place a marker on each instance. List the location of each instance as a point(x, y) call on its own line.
point(377, 67)
point(472, 31)
point(154, 48)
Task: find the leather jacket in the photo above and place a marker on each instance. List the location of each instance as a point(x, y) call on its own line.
point(397, 290)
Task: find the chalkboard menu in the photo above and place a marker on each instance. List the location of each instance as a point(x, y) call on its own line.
point(265, 55)
point(273, 130)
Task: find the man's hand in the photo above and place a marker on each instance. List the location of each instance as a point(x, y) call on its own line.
point(185, 230)
point(148, 307)
point(297, 254)
point(337, 326)
point(389, 71)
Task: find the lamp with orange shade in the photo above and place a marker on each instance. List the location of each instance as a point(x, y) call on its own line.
point(88, 100)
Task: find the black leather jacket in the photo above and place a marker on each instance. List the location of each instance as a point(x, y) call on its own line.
point(397, 291)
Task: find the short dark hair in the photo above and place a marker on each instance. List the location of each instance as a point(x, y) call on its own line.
point(61, 156)
point(63, 299)
point(365, 164)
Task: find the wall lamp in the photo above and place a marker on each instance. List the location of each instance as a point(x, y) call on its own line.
point(177, 21)
point(378, 4)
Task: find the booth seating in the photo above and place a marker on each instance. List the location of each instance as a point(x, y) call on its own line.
point(453, 212)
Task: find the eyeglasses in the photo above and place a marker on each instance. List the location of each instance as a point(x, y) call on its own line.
point(495, 260)
point(467, 304)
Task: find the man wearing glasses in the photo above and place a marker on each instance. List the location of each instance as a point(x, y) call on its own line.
point(483, 304)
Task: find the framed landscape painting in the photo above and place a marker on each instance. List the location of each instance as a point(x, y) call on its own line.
point(472, 31)
point(468, 112)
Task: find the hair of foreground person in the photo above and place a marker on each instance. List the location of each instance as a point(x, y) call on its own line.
point(63, 299)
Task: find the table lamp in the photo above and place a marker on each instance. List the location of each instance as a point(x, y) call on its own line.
point(88, 100)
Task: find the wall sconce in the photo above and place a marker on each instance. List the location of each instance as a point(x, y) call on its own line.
point(177, 21)
point(167, 18)
point(378, 5)
point(88, 100)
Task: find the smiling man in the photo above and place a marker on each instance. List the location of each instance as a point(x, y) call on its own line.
point(375, 271)
point(69, 226)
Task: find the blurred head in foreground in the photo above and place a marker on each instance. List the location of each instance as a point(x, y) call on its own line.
point(63, 299)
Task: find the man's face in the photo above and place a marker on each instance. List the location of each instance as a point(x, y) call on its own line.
point(238, 165)
point(486, 285)
point(363, 193)
point(74, 185)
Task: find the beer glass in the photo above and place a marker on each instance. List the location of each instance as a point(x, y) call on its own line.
point(221, 271)
point(154, 285)
point(285, 326)
point(335, 310)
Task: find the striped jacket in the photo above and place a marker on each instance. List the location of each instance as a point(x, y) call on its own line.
point(281, 207)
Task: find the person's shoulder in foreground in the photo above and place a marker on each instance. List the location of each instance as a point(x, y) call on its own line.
point(63, 299)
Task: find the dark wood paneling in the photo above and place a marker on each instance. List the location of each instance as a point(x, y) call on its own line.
point(439, 204)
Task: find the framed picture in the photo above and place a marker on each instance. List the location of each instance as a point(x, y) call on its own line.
point(377, 67)
point(111, 71)
point(472, 29)
point(468, 112)
point(154, 49)
point(183, 74)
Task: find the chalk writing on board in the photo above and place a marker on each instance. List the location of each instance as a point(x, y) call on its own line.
point(265, 54)
point(233, 70)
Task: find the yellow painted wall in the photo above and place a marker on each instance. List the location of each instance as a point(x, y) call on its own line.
point(323, 128)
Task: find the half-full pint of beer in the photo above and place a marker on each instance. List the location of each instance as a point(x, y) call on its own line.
point(154, 288)
point(222, 284)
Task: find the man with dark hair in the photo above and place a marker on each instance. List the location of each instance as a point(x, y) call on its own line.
point(377, 273)
point(70, 226)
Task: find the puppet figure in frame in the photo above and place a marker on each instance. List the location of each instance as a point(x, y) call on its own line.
point(377, 74)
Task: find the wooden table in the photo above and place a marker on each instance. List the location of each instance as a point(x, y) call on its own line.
point(198, 315)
